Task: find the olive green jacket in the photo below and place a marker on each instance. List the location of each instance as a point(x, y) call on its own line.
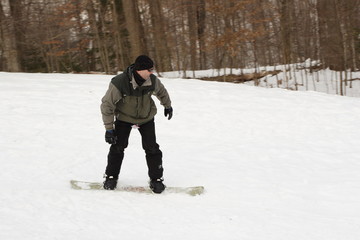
point(129, 102)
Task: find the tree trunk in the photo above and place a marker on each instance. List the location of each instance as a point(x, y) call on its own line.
point(162, 51)
point(285, 23)
point(191, 14)
point(12, 63)
point(201, 19)
point(331, 45)
point(135, 29)
point(83, 39)
point(16, 8)
point(99, 41)
point(121, 33)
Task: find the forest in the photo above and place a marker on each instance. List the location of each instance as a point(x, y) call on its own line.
point(83, 36)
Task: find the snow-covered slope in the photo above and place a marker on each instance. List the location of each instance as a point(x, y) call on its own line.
point(276, 164)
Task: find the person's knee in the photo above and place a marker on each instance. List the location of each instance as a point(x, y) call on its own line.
point(154, 150)
point(117, 148)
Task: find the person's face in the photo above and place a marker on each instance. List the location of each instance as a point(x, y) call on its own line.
point(145, 74)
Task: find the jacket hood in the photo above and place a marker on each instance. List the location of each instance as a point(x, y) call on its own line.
point(129, 71)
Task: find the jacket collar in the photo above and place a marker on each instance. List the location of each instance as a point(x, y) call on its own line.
point(130, 72)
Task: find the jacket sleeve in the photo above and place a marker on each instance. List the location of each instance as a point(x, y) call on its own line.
point(108, 106)
point(162, 94)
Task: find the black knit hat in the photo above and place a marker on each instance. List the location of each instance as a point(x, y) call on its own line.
point(143, 62)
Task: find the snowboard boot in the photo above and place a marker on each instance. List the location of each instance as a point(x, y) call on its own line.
point(157, 186)
point(110, 182)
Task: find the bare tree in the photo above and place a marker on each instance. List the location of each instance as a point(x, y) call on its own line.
point(135, 28)
point(9, 43)
point(192, 25)
point(120, 32)
point(161, 48)
point(201, 32)
point(106, 35)
point(330, 34)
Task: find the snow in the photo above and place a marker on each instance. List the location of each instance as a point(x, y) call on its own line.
point(276, 164)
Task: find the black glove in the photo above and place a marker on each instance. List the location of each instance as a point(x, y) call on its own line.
point(168, 111)
point(110, 137)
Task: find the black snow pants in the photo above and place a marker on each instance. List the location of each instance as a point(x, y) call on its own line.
point(152, 150)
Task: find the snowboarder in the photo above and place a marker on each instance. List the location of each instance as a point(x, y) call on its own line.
point(128, 104)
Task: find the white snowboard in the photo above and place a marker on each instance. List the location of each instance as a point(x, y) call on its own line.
point(81, 185)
